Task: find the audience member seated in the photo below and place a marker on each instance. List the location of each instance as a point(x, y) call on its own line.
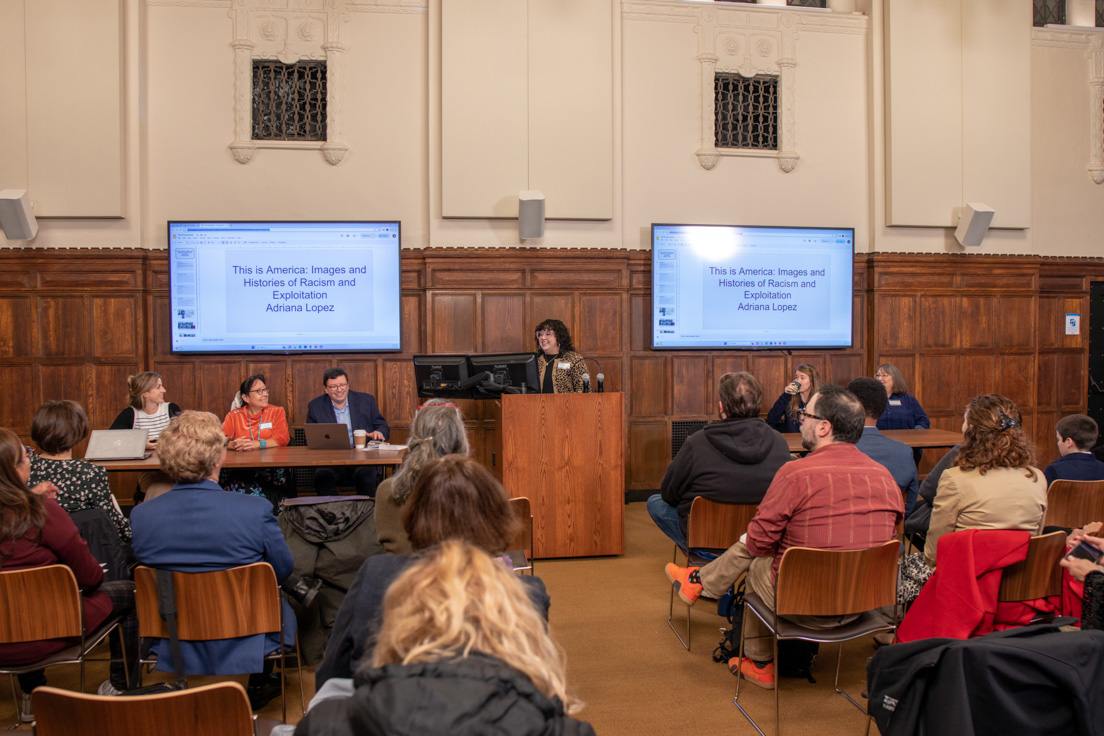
point(729, 461)
point(438, 430)
point(1077, 435)
point(35, 532)
point(902, 411)
point(460, 650)
point(916, 524)
point(993, 483)
point(834, 498)
point(147, 410)
point(56, 427)
point(783, 416)
point(1091, 573)
point(454, 498)
point(254, 424)
point(197, 526)
point(895, 456)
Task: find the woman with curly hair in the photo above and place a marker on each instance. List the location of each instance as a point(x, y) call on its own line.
point(560, 368)
point(993, 483)
point(783, 415)
point(438, 430)
point(459, 632)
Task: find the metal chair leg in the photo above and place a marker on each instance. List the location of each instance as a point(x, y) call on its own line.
point(736, 700)
point(671, 610)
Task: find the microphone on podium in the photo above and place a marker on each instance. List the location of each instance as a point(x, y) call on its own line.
point(586, 383)
point(601, 383)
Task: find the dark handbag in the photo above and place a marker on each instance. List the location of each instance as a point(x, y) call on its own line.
point(166, 607)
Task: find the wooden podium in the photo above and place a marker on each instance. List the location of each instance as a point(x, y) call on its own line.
point(566, 453)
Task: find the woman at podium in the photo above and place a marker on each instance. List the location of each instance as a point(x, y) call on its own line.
point(560, 368)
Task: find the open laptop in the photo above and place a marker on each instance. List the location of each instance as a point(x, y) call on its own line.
point(117, 444)
point(327, 436)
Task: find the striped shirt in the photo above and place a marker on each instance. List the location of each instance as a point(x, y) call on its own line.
point(834, 498)
point(152, 423)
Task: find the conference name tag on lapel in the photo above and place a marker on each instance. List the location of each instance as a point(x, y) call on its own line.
point(266, 425)
point(894, 402)
point(563, 365)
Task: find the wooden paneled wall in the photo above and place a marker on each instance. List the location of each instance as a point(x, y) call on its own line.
point(75, 323)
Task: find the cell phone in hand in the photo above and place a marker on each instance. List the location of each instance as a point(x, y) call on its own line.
point(1085, 551)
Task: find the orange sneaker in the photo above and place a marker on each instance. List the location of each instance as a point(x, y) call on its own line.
point(745, 668)
point(680, 578)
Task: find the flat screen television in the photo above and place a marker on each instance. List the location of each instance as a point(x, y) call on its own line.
point(722, 286)
point(284, 287)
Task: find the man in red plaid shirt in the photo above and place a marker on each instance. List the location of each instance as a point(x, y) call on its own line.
point(834, 498)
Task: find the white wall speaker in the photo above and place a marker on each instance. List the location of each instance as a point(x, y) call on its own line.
point(531, 214)
point(973, 223)
point(16, 216)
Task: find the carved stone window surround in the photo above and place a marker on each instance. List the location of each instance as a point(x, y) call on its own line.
point(1090, 41)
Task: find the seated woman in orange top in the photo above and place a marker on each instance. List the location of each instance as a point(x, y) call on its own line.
point(254, 424)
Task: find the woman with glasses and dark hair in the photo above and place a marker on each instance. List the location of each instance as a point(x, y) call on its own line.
point(254, 424)
point(56, 427)
point(559, 367)
point(35, 531)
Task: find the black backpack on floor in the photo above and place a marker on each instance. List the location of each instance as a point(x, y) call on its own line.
point(795, 656)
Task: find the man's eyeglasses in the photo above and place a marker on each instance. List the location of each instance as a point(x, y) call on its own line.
point(337, 386)
point(809, 415)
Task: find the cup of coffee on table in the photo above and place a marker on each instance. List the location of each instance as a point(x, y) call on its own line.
point(360, 438)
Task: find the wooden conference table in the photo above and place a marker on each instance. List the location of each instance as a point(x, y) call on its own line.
point(911, 437)
point(280, 457)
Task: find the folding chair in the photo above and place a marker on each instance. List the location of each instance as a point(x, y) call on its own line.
point(221, 709)
point(221, 604)
point(818, 582)
point(711, 525)
point(25, 596)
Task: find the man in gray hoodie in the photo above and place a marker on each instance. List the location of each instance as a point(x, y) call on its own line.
point(729, 461)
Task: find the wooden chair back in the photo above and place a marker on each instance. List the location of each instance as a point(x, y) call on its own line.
point(713, 525)
point(1074, 503)
point(27, 595)
point(524, 539)
point(220, 604)
point(1038, 576)
point(820, 582)
point(221, 709)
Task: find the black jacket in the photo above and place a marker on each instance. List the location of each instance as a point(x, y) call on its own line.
point(730, 461)
point(475, 696)
point(1032, 679)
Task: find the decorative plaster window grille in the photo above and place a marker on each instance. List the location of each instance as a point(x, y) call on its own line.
point(808, 3)
point(746, 111)
point(289, 100)
point(1050, 11)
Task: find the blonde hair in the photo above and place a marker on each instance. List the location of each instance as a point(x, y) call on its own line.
point(438, 430)
point(190, 448)
point(457, 599)
point(139, 384)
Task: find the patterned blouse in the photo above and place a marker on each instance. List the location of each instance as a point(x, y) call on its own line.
point(81, 485)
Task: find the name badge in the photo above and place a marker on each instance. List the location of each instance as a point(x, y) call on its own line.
point(894, 402)
point(563, 365)
point(266, 425)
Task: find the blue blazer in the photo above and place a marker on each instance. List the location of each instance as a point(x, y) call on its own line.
point(896, 457)
point(198, 527)
point(362, 410)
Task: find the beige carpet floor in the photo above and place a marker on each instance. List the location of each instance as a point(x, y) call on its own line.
point(610, 615)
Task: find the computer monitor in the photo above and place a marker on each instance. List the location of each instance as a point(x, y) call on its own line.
point(442, 376)
point(507, 373)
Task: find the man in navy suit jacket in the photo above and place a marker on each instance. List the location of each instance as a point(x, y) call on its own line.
point(896, 456)
point(1077, 434)
point(355, 410)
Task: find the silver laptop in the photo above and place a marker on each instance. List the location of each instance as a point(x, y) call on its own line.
point(117, 444)
point(327, 436)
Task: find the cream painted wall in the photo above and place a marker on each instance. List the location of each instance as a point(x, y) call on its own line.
point(179, 121)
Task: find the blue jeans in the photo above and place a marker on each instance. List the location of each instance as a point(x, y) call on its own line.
point(666, 518)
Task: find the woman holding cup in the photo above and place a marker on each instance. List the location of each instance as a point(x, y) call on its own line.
point(783, 415)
